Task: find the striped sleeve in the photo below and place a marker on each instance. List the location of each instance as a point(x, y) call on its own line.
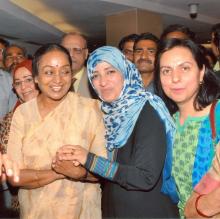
point(101, 166)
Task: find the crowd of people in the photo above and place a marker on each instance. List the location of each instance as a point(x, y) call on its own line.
point(127, 132)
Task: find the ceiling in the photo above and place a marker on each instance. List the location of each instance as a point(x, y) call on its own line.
point(43, 21)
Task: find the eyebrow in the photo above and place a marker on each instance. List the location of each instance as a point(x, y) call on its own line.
point(51, 66)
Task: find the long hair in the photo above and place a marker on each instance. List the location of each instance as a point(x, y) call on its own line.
point(208, 91)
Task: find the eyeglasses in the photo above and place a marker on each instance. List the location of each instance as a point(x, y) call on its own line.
point(128, 52)
point(77, 51)
point(12, 58)
point(27, 81)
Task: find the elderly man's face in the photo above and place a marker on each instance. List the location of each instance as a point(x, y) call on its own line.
point(76, 46)
point(14, 55)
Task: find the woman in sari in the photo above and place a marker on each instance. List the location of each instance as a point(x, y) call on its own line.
point(138, 131)
point(39, 127)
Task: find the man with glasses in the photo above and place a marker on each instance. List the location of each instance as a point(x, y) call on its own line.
point(76, 44)
point(145, 48)
point(13, 55)
point(126, 45)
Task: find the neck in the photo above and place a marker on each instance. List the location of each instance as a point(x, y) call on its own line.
point(147, 78)
point(46, 105)
point(188, 109)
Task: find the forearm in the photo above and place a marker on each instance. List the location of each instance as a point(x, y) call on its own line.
point(30, 179)
point(208, 204)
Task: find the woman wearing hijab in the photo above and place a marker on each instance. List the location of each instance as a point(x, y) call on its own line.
point(138, 131)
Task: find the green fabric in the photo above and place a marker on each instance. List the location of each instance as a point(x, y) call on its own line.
point(184, 150)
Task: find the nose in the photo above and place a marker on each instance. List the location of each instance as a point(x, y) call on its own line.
point(57, 78)
point(102, 80)
point(23, 85)
point(144, 54)
point(175, 76)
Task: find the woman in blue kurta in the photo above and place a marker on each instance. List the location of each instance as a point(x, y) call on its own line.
point(138, 131)
point(189, 88)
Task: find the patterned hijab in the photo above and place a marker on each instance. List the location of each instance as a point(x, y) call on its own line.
point(120, 116)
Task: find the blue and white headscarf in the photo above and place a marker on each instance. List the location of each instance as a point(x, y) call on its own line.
point(120, 116)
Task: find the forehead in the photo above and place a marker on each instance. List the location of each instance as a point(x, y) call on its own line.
point(22, 71)
point(2, 46)
point(14, 50)
point(146, 44)
point(102, 65)
point(54, 57)
point(176, 56)
point(128, 45)
point(73, 40)
point(177, 35)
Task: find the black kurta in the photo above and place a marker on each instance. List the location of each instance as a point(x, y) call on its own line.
point(135, 189)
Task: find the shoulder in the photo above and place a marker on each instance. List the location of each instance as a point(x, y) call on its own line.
point(85, 104)
point(26, 108)
point(149, 117)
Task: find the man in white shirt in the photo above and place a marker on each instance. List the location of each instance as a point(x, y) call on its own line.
point(76, 44)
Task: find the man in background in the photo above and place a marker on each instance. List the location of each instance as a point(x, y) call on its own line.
point(76, 44)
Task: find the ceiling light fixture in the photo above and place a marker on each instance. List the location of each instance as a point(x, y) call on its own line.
point(193, 10)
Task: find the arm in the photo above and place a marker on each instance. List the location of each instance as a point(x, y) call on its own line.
point(208, 204)
point(31, 179)
point(149, 153)
point(73, 172)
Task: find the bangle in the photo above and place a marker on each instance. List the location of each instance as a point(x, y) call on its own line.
point(198, 211)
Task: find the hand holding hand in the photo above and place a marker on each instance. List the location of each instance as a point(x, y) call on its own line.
point(74, 153)
point(68, 169)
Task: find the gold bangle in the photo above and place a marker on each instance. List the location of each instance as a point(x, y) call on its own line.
point(198, 211)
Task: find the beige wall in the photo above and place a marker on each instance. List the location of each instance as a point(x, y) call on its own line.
point(134, 21)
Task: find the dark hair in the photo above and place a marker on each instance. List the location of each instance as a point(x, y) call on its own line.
point(14, 45)
point(128, 38)
point(4, 42)
point(207, 52)
point(209, 89)
point(44, 50)
point(146, 36)
point(216, 33)
point(177, 28)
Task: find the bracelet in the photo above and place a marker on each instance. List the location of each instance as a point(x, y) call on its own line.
point(198, 211)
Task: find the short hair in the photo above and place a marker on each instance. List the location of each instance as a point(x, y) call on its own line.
point(216, 33)
point(75, 34)
point(209, 89)
point(44, 50)
point(129, 38)
point(146, 36)
point(178, 28)
point(4, 42)
point(13, 45)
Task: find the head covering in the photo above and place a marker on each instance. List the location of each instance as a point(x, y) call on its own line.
point(120, 116)
point(27, 63)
